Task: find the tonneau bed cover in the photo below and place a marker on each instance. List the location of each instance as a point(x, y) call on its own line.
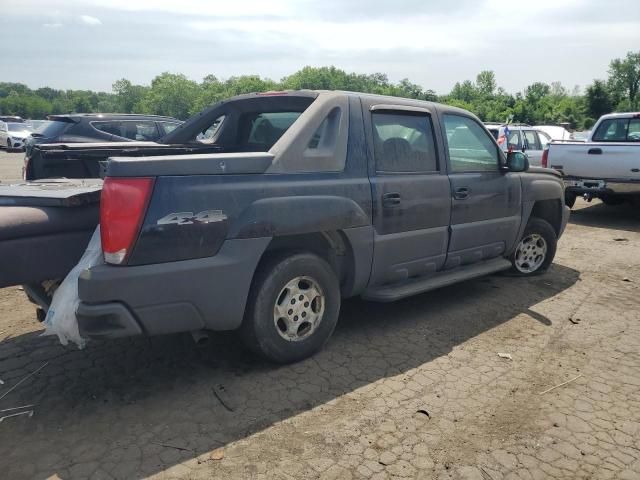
point(44, 228)
point(51, 193)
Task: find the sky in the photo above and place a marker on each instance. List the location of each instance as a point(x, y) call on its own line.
point(435, 43)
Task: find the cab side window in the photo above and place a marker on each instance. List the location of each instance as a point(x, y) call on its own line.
point(404, 142)
point(531, 140)
point(471, 148)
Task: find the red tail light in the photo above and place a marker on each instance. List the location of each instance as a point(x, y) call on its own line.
point(545, 157)
point(123, 204)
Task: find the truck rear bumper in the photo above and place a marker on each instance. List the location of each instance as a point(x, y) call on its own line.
point(206, 293)
point(602, 187)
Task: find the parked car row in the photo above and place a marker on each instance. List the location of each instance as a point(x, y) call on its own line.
point(13, 135)
point(18, 134)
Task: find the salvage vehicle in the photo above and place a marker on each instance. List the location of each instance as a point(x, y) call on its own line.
point(305, 198)
point(606, 166)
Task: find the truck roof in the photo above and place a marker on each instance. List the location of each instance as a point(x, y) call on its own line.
point(110, 116)
point(621, 115)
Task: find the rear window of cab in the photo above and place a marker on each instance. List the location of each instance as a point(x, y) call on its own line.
point(618, 130)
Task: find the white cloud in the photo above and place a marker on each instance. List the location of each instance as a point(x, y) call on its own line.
point(52, 25)
point(89, 20)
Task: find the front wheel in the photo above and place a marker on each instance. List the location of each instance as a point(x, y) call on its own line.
point(292, 308)
point(536, 249)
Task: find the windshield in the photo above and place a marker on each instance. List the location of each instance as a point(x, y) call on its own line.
point(19, 127)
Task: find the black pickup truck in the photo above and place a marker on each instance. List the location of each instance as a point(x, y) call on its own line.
point(299, 200)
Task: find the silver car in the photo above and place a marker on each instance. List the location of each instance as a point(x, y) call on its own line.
point(521, 137)
point(13, 135)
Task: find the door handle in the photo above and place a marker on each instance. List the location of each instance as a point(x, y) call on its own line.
point(595, 151)
point(390, 200)
point(461, 193)
point(635, 170)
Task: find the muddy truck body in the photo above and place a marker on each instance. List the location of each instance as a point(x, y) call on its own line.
point(300, 199)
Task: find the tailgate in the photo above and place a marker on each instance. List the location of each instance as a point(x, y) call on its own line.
point(599, 161)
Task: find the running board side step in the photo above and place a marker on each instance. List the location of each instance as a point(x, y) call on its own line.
point(393, 292)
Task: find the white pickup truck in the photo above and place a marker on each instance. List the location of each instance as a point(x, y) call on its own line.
point(606, 166)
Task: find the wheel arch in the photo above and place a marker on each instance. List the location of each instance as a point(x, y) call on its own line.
point(344, 250)
point(550, 211)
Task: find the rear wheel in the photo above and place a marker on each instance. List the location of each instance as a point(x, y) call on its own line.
point(292, 308)
point(536, 249)
point(569, 199)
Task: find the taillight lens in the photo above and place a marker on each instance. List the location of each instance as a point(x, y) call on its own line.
point(545, 157)
point(123, 204)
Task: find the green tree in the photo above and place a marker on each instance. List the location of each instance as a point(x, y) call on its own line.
point(170, 94)
point(128, 95)
point(598, 100)
point(624, 79)
point(465, 91)
point(486, 83)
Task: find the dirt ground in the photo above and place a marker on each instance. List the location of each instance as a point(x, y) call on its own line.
point(10, 165)
point(414, 389)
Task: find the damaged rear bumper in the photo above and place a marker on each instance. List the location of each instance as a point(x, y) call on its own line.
point(206, 293)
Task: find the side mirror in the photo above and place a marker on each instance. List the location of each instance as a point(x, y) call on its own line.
point(517, 162)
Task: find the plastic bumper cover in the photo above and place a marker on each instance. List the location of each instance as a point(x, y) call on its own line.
point(205, 293)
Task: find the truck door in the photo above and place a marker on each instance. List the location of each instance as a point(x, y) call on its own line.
point(486, 202)
point(410, 191)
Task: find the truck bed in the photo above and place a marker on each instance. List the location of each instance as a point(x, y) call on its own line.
point(614, 167)
point(45, 228)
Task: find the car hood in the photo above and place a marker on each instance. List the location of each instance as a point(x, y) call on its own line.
point(19, 134)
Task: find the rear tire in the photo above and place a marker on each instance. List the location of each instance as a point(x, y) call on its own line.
point(569, 199)
point(535, 250)
point(292, 309)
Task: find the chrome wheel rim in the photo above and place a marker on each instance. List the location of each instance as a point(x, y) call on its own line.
point(531, 253)
point(299, 309)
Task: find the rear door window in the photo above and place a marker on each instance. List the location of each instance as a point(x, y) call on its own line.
point(633, 135)
point(140, 130)
point(531, 140)
point(544, 139)
point(404, 142)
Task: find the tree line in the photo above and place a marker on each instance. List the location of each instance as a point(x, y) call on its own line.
point(177, 96)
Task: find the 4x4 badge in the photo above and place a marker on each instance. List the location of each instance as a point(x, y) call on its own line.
point(189, 218)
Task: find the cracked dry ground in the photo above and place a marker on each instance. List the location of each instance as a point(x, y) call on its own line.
point(413, 389)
